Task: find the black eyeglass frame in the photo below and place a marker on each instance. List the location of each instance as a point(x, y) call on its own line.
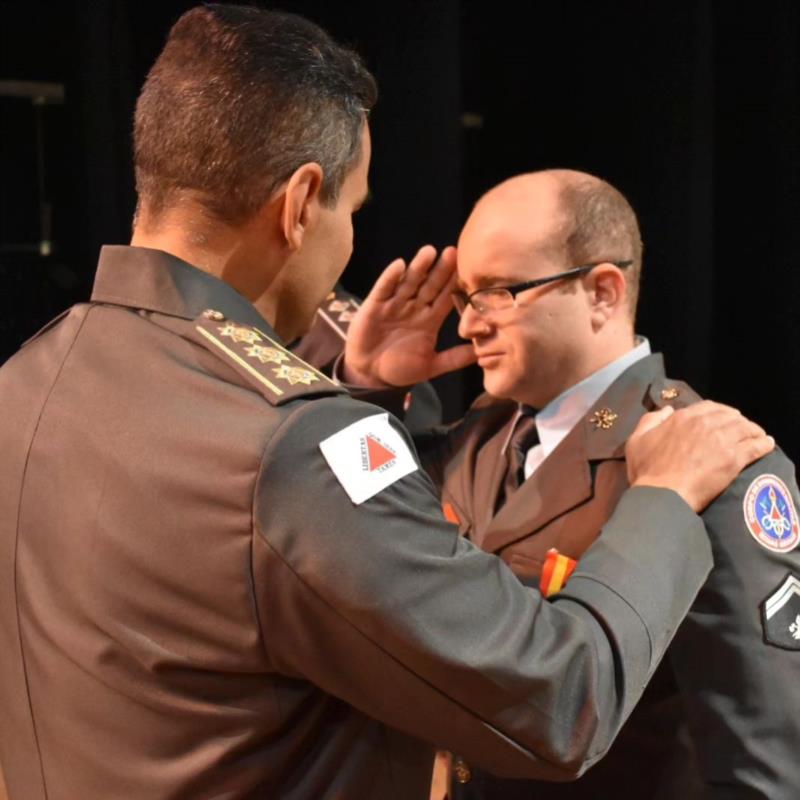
point(461, 299)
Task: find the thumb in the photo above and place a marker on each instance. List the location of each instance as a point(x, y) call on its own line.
point(653, 420)
point(458, 357)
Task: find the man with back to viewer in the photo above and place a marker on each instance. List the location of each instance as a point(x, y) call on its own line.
point(221, 576)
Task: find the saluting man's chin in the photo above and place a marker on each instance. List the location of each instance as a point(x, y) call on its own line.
point(494, 387)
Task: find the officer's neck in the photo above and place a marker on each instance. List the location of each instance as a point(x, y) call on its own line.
point(241, 255)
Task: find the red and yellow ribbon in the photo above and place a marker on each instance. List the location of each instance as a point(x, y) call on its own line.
point(555, 572)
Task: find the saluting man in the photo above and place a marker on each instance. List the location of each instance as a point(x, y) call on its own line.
point(548, 281)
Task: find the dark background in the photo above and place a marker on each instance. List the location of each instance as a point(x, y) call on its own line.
point(692, 109)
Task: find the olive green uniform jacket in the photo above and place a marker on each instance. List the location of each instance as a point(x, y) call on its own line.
point(721, 717)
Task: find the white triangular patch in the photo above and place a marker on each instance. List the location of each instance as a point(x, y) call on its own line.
point(368, 456)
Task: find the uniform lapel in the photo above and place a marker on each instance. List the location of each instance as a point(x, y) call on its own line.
point(491, 462)
point(562, 482)
point(565, 478)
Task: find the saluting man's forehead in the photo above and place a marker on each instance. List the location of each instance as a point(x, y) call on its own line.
point(520, 210)
point(492, 246)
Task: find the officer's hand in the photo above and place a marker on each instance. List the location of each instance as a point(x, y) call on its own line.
point(696, 451)
point(392, 338)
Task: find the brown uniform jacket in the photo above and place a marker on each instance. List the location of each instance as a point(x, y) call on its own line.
point(721, 717)
point(192, 607)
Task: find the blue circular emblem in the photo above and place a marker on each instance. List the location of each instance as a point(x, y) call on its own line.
point(770, 515)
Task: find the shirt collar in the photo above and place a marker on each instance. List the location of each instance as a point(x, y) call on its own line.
point(141, 277)
point(561, 415)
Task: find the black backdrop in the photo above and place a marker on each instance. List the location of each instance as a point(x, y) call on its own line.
point(692, 109)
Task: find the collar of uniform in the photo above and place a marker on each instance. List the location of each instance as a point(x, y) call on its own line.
point(627, 399)
point(140, 277)
point(563, 413)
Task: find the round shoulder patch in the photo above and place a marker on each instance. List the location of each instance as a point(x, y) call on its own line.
point(770, 515)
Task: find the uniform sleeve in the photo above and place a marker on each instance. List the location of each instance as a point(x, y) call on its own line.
point(435, 450)
point(737, 655)
point(434, 441)
point(382, 604)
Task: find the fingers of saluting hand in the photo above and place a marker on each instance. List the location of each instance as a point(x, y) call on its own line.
point(386, 285)
point(443, 303)
point(427, 283)
point(440, 279)
point(417, 272)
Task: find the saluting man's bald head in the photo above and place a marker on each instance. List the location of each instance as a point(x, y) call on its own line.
point(533, 342)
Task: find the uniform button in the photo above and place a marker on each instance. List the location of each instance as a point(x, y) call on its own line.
point(461, 771)
point(216, 316)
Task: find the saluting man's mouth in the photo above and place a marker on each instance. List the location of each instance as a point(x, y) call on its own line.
point(487, 360)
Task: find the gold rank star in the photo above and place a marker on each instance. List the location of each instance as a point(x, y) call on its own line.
point(266, 355)
point(603, 418)
point(240, 334)
point(339, 305)
point(295, 374)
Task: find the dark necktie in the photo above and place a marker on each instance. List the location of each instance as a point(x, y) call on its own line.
point(523, 437)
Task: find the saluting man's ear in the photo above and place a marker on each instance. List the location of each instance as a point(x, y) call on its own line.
point(609, 289)
point(301, 203)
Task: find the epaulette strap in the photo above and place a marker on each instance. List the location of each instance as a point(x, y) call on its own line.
point(265, 363)
point(667, 392)
point(338, 310)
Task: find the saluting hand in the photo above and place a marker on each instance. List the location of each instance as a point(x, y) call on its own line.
point(392, 338)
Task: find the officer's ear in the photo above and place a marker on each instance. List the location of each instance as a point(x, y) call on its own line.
point(301, 203)
point(607, 292)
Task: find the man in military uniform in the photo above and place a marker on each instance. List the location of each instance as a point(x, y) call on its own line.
point(220, 575)
point(548, 270)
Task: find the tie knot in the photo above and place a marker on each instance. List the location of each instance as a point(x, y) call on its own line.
point(523, 437)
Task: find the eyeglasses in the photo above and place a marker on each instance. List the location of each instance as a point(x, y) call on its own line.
point(497, 298)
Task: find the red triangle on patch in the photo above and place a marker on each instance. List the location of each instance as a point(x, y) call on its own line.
point(378, 454)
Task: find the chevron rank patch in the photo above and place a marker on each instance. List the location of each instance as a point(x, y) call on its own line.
point(770, 515)
point(368, 456)
point(780, 615)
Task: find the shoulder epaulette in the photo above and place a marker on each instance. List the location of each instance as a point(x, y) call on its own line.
point(265, 363)
point(338, 310)
point(667, 392)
